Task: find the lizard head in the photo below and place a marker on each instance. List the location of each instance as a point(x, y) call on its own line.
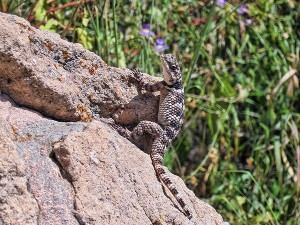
point(171, 70)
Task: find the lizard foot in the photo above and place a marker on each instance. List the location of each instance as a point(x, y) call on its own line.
point(136, 74)
point(122, 131)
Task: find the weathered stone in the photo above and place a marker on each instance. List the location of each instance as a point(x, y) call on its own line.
point(54, 171)
point(84, 173)
point(63, 80)
point(32, 137)
point(17, 204)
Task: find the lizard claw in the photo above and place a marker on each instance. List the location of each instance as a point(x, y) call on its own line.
point(122, 131)
point(136, 73)
point(115, 126)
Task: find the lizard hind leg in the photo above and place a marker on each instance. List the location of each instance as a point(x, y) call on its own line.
point(144, 127)
point(147, 127)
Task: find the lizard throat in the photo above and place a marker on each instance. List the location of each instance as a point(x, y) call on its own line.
point(177, 85)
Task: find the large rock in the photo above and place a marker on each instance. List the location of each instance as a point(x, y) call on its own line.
point(17, 204)
point(64, 81)
point(56, 169)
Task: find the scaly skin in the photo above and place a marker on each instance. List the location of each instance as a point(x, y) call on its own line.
point(170, 116)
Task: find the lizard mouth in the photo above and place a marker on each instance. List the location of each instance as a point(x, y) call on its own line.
point(165, 65)
point(163, 61)
point(168, 73)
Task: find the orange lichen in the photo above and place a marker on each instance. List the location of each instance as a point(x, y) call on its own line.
point(93, 68)
point(25, 26)
point(84, 113)
point(18, 137)
point(66, 54)
point(49, 46)
point(91, 96)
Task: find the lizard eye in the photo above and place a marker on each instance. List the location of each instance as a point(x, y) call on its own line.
point(172, 66)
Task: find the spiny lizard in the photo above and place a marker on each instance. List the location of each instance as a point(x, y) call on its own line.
point(170, 116)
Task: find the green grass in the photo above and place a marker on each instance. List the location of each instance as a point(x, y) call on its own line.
point(239, 143)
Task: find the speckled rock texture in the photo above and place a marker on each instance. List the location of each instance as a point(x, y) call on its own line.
point(60, 161)
point(64, 81)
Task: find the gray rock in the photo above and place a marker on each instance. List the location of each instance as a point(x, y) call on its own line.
point(17, 203)
point(64, 81)
point(57, 169)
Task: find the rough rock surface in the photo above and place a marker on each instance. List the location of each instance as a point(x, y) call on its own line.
point(64, 81)
point(13, 186)
point(56, 169)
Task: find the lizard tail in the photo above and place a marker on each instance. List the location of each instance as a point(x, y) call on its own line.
point(156, 158)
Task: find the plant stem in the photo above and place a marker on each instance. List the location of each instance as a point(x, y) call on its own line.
point(199, 45)
point(115, 32)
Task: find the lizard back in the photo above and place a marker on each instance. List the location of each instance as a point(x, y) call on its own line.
point(171, 109)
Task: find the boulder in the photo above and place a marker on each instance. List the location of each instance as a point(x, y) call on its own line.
point(60, 161)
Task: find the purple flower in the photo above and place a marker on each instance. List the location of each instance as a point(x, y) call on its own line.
point(248, 22)
point(242, 9)
point(160, 45)
point(221, 2)
point(145, 31)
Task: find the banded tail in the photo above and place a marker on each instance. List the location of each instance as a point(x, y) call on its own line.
point(157, 158)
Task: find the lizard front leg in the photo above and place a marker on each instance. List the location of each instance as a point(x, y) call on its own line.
point(148, 87)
